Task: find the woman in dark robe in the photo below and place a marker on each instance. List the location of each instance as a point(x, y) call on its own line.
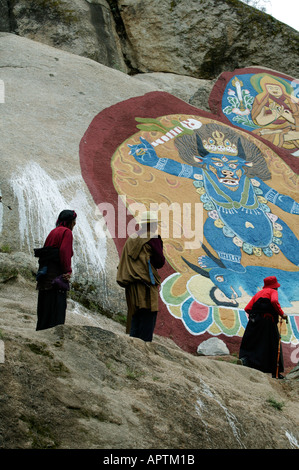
point(259, 346)
point(55, 271)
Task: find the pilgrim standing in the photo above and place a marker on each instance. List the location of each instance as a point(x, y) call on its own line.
point(141, 257)
point(261, 339)
point(55, 271)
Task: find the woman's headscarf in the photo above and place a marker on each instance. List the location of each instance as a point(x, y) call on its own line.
point(65, 217)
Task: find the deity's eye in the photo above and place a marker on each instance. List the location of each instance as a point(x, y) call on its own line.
point(233, 166)
point(218, 164)
point(219, 278)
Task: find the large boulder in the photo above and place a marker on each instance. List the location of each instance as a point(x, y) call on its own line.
point(85, 28)
point(199, 39)
point(202, 39)
point(51, 96)
point(194, 91)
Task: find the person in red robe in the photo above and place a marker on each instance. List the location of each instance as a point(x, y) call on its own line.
point(259, 346)
point(55, 269)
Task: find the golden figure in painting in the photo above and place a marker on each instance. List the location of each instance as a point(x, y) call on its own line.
point(276, 111)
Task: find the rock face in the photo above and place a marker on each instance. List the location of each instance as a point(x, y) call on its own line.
point(87, 385)
point(53, 96)
point(198, 39)
point(192, 90)
point(85, 28)
point(201, 39)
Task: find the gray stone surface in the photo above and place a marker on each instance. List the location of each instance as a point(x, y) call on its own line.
point(200, 39)
point(212, 347)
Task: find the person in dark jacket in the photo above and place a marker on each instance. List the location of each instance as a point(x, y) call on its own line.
point(54, 272)
point(260, 342)
point(141, 257)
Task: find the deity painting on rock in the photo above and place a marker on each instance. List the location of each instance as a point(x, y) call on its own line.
point(227, 205)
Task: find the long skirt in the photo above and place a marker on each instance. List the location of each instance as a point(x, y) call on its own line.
point(51, 308)
point(259, 346)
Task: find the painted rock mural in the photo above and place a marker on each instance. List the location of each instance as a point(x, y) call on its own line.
point(227, 200)
point(263, 102)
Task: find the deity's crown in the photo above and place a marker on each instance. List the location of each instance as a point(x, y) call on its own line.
point(218, 144)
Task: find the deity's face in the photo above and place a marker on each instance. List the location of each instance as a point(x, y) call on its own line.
point(274, 90)
point(227, 169)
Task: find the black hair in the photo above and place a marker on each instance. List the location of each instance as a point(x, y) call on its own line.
point(65, 217)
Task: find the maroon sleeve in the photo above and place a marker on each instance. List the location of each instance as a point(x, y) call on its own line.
point(157, 258)
point(62, 238)
point(66, 251)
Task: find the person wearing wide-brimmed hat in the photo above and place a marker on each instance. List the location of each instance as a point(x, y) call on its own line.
point(141, 257)
point(259, 346)
point(55, 271)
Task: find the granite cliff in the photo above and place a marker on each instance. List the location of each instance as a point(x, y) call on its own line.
point(87, 384)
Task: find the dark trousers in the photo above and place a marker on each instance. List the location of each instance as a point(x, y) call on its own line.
point(51, 308)
point(143, 324)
